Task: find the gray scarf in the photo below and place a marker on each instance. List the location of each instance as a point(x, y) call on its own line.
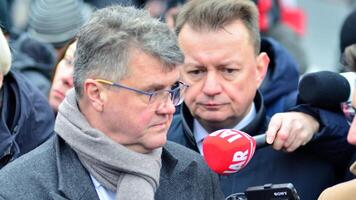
point(132, 175)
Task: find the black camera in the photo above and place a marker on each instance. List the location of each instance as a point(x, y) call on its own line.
point(284, 191)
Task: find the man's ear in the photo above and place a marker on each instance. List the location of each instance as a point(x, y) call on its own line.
point(262, 67)
point(95, 93)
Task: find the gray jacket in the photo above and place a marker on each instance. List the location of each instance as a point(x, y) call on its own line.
point(53, 171)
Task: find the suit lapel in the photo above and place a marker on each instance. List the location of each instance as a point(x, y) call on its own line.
point(176, 181)
point(168, 164)
point(73, 180)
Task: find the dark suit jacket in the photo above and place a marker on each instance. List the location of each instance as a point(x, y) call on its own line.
point(53, 171)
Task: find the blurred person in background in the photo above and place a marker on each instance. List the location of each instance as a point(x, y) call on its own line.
point(5, 22)
point(51, 25)
point(285, 22)
point(348, 43)
point(26, 120)
point(62, 78)
point(56, 22)
point(349, 58)
point(346, 190)
point(171, 12)
point(155, 7)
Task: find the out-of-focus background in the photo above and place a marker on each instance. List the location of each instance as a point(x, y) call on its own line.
point(39, 31)
point(321, 39)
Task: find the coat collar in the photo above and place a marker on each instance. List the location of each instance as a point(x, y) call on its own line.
point(169, 162)
point(258, 124)
point(73, 180)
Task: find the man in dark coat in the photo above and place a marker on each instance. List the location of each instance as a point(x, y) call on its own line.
point(224, 68)
point(111, 128)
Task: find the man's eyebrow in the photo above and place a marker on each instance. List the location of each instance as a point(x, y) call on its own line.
point(194, 65)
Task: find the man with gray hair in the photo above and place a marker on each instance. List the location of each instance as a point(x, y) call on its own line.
point(110, 140)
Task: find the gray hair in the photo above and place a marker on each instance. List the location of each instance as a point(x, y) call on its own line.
point(106, 40)
point(215, 14)
point(5, 55)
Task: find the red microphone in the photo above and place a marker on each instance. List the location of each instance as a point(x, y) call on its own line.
point(228, 151)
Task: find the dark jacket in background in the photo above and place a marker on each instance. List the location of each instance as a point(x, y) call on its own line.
point(35, 60)
point(53, 171)
point(311, 168)
point(279, 87)
point(5, 22)
point(26, 118)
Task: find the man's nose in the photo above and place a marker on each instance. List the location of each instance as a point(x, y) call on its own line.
point(212, 84)
point(166, 106)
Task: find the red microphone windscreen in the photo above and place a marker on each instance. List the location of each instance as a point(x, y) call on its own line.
point(227, 151)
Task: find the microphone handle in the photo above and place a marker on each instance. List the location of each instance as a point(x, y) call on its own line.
point(260, 141)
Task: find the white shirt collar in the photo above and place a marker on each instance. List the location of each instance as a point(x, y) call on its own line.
point(103, 193)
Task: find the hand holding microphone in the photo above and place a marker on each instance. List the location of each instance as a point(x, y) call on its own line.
point(290, 130)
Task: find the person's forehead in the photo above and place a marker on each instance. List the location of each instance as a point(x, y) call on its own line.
point(145, 62)
point(146, 68)
point(233, 37)
point(236, 27)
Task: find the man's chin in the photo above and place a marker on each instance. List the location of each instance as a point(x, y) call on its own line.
point(156, 144)
point(212, 117)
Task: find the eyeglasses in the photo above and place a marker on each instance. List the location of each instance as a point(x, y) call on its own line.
point(176, 95)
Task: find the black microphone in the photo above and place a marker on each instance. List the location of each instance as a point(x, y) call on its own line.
point(260, 141)
point(326, 89)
